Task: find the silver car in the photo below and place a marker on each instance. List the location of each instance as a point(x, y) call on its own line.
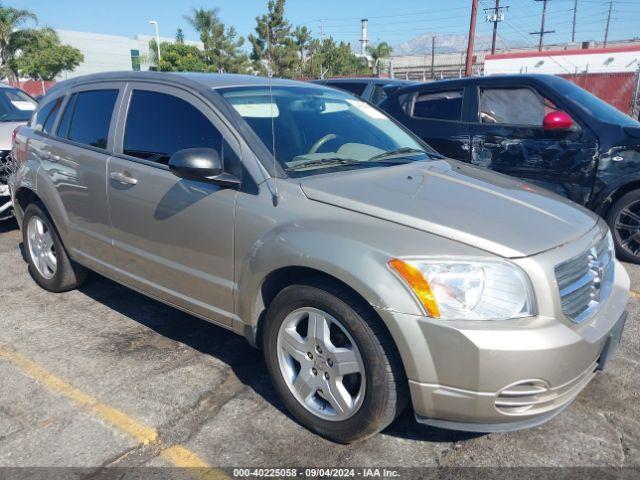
point(16, 108)
point(369, 269)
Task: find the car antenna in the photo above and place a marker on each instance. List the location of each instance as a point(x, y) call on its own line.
point(276, 193)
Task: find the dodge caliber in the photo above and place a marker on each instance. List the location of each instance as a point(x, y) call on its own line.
point(371, 271)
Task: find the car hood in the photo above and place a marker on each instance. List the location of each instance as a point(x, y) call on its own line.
point(6, 130)
point(477, 207)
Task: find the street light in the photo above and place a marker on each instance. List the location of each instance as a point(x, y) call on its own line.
point(155, 23)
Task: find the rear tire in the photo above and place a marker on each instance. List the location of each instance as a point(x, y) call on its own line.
point(376, 394)
point(623, 219)
point(49, 263)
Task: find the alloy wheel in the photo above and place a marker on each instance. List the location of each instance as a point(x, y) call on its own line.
point(321, 364)
point(627, 228)
point(42, 248)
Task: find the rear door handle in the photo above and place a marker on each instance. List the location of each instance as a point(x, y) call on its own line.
point(123, 177)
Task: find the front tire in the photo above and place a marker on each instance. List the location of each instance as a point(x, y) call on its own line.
point(332, 362)
point(49, 263)
point(623, 219)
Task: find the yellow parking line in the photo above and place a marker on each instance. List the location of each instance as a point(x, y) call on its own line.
point(634, 294)
point(182, 457)
point(177, 454)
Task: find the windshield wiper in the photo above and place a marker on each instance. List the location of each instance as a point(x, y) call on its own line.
point(325, 162)
point(393, 153)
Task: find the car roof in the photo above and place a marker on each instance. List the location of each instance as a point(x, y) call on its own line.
point(375, 80)
point(499, 79)
point(206, 80)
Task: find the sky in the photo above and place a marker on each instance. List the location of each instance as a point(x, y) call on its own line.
point(392, 21)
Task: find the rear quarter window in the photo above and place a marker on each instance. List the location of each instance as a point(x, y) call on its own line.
point(44, 115)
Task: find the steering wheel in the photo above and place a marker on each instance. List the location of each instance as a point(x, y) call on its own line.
point(316, 146)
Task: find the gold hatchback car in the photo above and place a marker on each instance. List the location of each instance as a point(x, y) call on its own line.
point(369, 269)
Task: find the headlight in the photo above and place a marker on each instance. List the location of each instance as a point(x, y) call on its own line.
point(468, 289)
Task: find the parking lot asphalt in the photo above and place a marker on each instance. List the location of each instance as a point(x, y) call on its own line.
point(104, 376)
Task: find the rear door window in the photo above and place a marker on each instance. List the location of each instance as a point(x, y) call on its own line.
point(438, 105)
point(91, 117)
point(159, 124)
point(513, 106)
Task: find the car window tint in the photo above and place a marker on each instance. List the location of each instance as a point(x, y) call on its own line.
point(63, 126)
point(439, 105)
point(44, 113)
point(355, 88)
point(92, 117)
point(517, 106)
point(158, 125)
point(51, 118)
point(378, 94)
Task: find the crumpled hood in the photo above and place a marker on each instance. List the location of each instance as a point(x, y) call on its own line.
point(451, 199)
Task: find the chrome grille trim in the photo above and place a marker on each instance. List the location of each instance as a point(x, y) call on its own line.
point(585, 281)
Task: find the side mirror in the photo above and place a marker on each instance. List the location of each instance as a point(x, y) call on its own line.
point(201, 164)
point(557, 120)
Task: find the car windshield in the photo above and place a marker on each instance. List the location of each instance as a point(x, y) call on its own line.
point(15, 105)
point(592, 105)
point(313, 130)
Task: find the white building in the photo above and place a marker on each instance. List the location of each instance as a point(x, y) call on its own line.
point(108, 53)
point(563, 62)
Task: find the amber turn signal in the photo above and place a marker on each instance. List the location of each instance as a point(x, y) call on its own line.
point(418, 284)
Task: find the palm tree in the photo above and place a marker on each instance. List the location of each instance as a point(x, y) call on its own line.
point(204, 21)
point(11, 38)
point(380, 51)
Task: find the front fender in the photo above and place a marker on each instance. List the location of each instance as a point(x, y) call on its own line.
point(361, 266)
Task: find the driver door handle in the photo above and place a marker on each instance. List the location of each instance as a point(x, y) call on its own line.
point(123, 177)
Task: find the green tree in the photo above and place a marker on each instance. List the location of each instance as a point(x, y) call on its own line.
point(177, 57)
point(12, 38)
point(378, 52)
point(329, 58)
point(222, 45)
point(302, 39)
point(274, 48)
point(44, 58)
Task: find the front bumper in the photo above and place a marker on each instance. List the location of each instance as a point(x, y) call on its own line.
point(500, 376)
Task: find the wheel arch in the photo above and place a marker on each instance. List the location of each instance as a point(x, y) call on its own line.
point(607, 199)
point(279, 279)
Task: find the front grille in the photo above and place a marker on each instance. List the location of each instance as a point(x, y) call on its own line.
point(585, 281)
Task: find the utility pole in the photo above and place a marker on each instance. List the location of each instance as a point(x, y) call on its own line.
point(472, 34)
point(542, 30)
point(433, 54)
point(495, 15)
point(606, 32)
point(573, 30)
point(321, 42)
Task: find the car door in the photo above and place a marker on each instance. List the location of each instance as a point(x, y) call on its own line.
point(75, 159)
point(507, 135)
point(436, 115)
point(172, 237)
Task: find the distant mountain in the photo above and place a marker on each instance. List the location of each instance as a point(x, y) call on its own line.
point(450, 44)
